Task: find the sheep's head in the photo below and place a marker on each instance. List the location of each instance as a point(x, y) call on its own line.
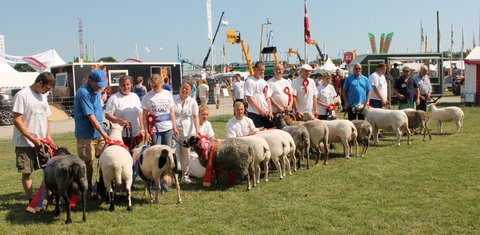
point(358, 109)
point(289, 119)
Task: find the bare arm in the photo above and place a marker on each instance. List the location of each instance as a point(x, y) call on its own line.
point(97, 126)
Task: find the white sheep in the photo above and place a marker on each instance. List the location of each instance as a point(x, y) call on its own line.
point(156, 162)
point(116, 165)
point(447, 114)
point(292, 147)
point(418, 119)
point(279, 150)
point(343, 131)
point(364, 130)
point(261, 155)
point(301, 137)
point(386, 119)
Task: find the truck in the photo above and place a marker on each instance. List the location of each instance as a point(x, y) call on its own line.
point(434, 62)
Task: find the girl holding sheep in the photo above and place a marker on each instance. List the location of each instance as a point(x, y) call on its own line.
point(186, 111)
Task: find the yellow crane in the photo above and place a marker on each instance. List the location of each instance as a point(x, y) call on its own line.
point(233, 37)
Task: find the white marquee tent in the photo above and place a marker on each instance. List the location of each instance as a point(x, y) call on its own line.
point(472, 76)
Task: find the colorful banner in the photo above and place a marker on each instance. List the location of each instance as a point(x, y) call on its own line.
point(372, 43)
point(382, 44)
point(306, 25)
point(388, 41)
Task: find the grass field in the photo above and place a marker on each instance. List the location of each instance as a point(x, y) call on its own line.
point(429, 187)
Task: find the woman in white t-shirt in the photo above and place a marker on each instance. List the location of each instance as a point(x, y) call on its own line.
point(196, 169)
point(158, 113)
point(186, 112)
point(327, 97)
point(124, 108)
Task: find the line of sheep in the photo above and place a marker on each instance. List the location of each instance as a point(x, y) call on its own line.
point(286, 147)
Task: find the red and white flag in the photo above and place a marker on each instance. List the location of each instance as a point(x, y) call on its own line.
point(306, 25)
point(35, 64)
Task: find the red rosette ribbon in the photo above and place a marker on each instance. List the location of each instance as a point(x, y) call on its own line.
point(265, 91)
point(150, 123)
point(305, 84)
point(286, 90)
point(331, 107)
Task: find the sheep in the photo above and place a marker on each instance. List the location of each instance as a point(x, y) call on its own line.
point(66, 175)
point(343, 131)
point(418, 119)
point(301, 137)
point(262, 155)
point(281, 146)
point(116, 165)
point(386, 119)
point(364, 130)
point(154, 163)
point(318, 131)
point(230, 155)
point(447, 114)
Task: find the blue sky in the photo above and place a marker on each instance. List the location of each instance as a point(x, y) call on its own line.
point(31, 26)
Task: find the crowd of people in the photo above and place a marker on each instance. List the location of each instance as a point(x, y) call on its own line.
point(159, 117)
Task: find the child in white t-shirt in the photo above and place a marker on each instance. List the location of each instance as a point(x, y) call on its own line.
point(196, 169)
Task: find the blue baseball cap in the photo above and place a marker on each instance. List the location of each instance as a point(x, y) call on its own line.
point(99, 77)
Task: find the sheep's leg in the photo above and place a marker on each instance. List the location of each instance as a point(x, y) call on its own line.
point(111, 196)
point(439, 127)
point(346, 149)
point(398, 134)
point(286, 165)
point(327, 151)
point(459, 124)
point(318, 154)
point(177, 186)
point(308, 157)
point(84, 205)
point(355, 142)
point(265, 167)
point(250, 176)
point(67, 206)
point(57, 210)
point(256, 176)
point(278, 166)
point(294, 162)
point(157, 188)
point(129, 198)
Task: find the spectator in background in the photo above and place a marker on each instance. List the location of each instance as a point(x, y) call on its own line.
point(186, 112)
point(139, 88)
point(203, 91)
point(125, 108)
point(282, 100)
point(258, 93)
point(337, 82)
point(407, 90)
point(157, 106)
point(167, 86)
point(30, 111)
point(216, 94)
point(356, 90)
point(305, 94)
point(395, 72)
point(90, 134)
point(379, 96)
point(425, 87)
point(239, 125)
point(238, 89)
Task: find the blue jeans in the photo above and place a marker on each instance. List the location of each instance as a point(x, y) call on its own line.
point(164, 138)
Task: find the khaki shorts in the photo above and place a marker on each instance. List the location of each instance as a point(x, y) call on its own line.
point(88, 149)
point(26, 159)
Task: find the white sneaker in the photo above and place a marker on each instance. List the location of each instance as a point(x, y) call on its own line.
point(186, 179)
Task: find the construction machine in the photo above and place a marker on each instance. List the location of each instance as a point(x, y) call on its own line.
point(233, 37)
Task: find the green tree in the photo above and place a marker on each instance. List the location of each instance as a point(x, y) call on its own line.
point(107, 59)
point(23, 68)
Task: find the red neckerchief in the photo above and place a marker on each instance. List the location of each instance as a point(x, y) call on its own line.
point(118, 143)
point(305, 84)
point(286, 90)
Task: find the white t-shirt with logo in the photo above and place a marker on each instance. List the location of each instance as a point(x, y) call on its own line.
point(380, 82)
point(35, 110)
point(326, 94)
point(260, 91)
point(304, 98)
point(159, 104)
point(126, 107)
point(280, 91)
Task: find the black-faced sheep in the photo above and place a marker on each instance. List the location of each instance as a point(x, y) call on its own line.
point(65, 175)
point(229, 155)
point(447, 114)
point(155, 162)
point(364, 130)
point(116, 165)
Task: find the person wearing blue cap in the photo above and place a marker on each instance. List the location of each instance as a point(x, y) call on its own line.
point(90, 134)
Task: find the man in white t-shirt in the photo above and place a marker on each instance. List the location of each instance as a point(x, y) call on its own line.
point(239, 125)
point(282, 100)
point(258, 93)
point(216, 94)
point(30, 111)
point(305, 94)
point(379, 96)
point(202, 90)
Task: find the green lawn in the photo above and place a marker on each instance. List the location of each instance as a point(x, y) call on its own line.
point(429, 187)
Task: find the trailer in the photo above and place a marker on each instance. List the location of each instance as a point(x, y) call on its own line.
point(70, 77)
point(434, 62)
